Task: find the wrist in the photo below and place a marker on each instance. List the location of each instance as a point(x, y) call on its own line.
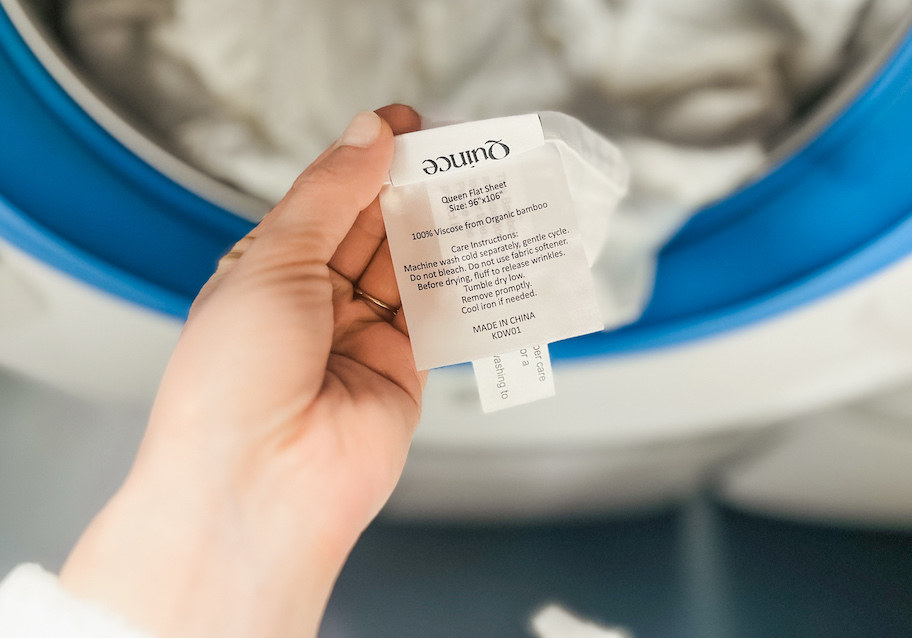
point(184, 564)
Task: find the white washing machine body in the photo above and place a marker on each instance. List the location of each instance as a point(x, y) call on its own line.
point(785, 299)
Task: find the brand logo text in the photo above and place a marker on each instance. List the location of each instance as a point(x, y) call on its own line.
point(490, 150)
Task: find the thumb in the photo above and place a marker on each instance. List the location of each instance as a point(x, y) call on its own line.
point(315, 215)
point(326, 198)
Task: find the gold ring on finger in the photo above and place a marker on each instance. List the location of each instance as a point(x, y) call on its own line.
point(369, 298)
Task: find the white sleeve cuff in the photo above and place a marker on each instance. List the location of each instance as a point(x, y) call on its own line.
point(33, 604)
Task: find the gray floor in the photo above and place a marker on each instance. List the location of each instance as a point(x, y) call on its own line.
point(699, 572)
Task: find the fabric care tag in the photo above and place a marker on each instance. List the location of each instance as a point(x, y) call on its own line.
point(514, 378)
point(485, 242)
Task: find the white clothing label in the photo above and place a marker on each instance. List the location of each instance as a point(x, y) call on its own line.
point(487, 254)
point(514, 378)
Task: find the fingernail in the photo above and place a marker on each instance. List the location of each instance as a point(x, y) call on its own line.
point(363, 130)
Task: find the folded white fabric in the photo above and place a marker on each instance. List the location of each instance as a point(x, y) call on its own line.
point(33, 604)
point(254, 91)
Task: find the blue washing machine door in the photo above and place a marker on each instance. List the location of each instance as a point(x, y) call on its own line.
point(831, 213)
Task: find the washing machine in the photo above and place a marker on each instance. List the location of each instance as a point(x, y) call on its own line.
point(786, 298)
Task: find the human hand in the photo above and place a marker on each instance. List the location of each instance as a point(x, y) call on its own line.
point(282, 422)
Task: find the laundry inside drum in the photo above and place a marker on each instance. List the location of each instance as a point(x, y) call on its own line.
point(698, 95)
